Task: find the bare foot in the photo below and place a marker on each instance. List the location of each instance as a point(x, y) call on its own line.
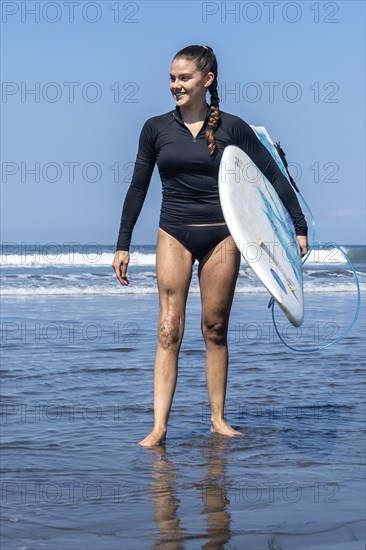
point(157, 437)
point(223, 428)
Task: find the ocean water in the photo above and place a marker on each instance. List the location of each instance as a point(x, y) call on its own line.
point(77, 394)
point(74, 269)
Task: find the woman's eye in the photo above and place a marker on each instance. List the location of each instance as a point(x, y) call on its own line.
point(182, 78)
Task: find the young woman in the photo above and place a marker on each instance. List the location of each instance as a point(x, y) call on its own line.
point(187, 144)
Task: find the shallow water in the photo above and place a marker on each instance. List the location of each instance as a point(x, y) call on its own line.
point(77, 397)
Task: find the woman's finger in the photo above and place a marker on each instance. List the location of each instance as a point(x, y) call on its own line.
point(119, 265)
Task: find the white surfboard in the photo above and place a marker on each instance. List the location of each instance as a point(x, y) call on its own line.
point(262, 228)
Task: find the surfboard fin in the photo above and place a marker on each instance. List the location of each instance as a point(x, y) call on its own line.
point(264, 247)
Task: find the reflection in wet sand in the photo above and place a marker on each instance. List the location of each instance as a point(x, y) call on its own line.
point(166, 502)
point(212, 490)
point(214, 495)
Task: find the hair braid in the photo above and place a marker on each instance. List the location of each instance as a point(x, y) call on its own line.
point(215, 117)
point(206, 62)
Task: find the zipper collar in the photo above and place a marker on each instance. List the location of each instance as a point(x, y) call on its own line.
point(178, 117)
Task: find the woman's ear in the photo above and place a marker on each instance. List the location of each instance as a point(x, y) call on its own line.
point(210, 78)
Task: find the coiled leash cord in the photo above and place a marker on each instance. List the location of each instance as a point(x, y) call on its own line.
point(312, 247)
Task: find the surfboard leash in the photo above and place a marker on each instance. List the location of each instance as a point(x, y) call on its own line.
point(312, 247)
point(345, 255)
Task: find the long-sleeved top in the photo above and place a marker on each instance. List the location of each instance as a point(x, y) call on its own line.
point(189, 175)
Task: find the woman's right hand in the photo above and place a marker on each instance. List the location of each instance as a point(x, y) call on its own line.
point(120, 263)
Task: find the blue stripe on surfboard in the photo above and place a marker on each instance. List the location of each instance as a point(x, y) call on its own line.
point(278, 280)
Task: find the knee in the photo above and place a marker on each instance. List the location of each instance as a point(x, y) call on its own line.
point(215, 332)
point(170, 331)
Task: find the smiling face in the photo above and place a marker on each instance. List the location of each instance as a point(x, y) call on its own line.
point(188, 85)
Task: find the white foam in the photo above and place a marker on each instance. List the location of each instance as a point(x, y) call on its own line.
point(91, 257)
point(337, 287)
point(104, 290)
point(76, 290)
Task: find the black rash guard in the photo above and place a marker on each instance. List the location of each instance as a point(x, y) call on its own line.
point(189, 175)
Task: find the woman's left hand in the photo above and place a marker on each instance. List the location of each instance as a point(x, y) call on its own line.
point(302, 241)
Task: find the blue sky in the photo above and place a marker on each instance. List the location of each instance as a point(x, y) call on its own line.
point(298, 68)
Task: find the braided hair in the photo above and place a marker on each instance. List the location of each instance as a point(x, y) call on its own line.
point(206, 62)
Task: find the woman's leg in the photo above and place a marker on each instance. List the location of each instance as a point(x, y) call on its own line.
point(218, 272)
point(174, 273)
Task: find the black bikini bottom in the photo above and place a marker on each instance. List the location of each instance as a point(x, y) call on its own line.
point(197, 239)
